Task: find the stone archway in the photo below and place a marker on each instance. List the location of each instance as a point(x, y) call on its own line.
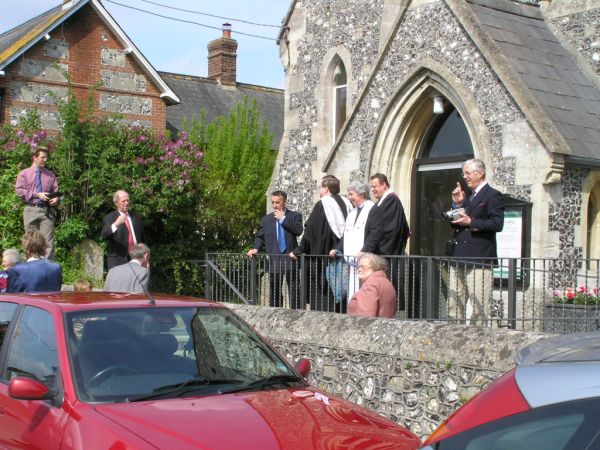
point(407, 122)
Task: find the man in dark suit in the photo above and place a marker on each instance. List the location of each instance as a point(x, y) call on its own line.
point(122, 229)
point(475, 237)
point(395, 232)
point(37, 274)
point(133, 276)
point(278, 233)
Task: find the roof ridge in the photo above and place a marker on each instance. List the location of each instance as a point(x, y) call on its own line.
point(187, 77)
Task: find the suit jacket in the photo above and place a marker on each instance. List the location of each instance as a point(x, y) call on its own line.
point(487, 214)
point(266, 238)
point(375, 298)
point(117, 241)
point(129, 277)
point(395, 231)
point(41, 275)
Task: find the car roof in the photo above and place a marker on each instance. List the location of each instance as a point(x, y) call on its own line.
point(581, 347)
point(559, 369)
point(79, 301)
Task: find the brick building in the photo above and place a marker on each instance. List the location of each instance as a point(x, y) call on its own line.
point(79, 41)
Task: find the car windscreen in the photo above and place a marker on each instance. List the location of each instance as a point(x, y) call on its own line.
point(124, 355)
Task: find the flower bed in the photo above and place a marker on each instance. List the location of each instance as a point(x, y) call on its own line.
point(573, 310)
point(577, 296)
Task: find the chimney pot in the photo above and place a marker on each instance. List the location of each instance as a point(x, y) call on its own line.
point(227, 30)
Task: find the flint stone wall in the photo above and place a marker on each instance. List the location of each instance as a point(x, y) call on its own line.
point(415, 373)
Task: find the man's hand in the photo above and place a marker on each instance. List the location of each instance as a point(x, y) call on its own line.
point(293, 256)
point(43, 196)
point(252, 252)
point(279, 214)
point(458, 195)
point(53, 201)
point(463, 220)
point(120, 220)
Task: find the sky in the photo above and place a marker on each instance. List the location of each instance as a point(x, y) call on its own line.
point(179, 47)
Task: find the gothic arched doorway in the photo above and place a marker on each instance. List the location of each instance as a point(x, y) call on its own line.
point(437, 170)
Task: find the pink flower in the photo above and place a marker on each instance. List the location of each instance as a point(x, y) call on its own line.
point(141, 138)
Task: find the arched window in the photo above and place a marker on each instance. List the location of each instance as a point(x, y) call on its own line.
point(593, 224)
point(340, 90)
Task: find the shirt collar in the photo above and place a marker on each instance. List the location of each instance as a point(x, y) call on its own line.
point(480, 187)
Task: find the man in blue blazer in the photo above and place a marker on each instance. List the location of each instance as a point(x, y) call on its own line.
point(37, 274)
point(475, 237)
point(278, 233)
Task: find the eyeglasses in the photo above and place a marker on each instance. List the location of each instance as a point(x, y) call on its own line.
point(364, 266)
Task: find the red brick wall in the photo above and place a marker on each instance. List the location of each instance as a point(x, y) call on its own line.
point(86, 36)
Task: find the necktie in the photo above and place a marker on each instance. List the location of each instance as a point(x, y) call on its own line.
point(130, 242)
point(38, 180)
point(280, 237)
point(359, 209)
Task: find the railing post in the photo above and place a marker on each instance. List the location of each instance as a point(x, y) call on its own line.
point(208, 278)
point(303, 281)
point(430, 283)
point(512, 293)
point(253, 281)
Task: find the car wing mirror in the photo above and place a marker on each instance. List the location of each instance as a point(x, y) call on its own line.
point(23, 388)
point(303, 367)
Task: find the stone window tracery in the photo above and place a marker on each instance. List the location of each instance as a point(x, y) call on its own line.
point(340, 93)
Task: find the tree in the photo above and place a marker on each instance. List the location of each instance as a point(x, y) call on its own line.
point(239, 161)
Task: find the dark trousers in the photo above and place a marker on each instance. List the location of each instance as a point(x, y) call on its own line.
point(114, 260)
point(319, 295)
point(276, 288)
point(396, 268)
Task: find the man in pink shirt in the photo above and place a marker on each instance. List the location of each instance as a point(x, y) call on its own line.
point(38, 188)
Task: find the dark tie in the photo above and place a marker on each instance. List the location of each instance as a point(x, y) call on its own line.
point(357, 213)
point(38, 180)
point(472, 197)
point(280, 237)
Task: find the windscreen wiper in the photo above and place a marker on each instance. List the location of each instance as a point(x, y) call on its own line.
point(272, 381)
point(178, 389)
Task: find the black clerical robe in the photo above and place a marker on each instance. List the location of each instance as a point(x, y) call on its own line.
point(395, 232)
point(318, 236)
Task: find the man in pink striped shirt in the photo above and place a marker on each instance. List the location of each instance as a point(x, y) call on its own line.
point(37, 187)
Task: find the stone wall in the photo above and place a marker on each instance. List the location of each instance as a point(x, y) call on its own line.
point(415, 373)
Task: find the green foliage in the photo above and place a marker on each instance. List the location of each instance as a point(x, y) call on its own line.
point(203, 191)
point(239, 162)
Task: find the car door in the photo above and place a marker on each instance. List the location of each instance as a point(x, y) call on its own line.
point(32, 353)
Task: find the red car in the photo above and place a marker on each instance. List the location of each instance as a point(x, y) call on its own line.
point(122, 371)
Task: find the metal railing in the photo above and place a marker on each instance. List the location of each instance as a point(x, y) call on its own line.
point(515, 293)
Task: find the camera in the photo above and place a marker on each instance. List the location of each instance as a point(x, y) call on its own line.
point(452, 215)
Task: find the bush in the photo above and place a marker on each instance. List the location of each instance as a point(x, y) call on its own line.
point(190, 203)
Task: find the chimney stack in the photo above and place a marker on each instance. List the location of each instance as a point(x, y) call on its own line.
point(222, 58)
